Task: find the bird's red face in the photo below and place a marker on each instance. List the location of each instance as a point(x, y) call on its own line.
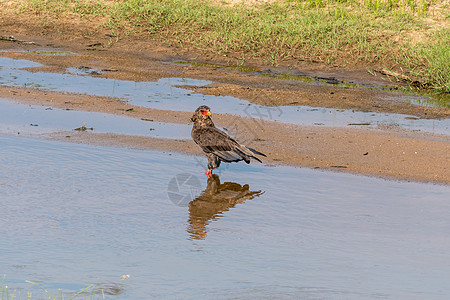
point(202, 113)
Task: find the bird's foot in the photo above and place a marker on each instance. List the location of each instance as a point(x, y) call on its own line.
point(208, 173)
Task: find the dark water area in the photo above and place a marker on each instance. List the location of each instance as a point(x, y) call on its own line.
point(74, 215)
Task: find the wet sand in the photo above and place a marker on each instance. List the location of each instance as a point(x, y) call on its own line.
point(387, 152)
point(390, 153)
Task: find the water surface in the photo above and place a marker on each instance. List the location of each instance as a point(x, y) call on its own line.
point(78, 214)
point(35, 120)
point(164, 94)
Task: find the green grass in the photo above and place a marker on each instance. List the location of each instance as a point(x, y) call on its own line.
point(431, 60)
point(371, 32)
point(8, 294)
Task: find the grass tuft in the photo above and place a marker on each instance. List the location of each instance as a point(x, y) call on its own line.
point(5, 293)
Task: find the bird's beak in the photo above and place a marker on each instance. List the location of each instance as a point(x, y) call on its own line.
point(206, 113)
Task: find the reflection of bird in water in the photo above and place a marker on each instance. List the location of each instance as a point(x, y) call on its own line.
point(215, 199)
point(216, 144)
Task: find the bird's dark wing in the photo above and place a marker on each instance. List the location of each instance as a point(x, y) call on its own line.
point(213, 140)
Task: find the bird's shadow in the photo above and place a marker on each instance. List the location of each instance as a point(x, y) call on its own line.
point(214, 200)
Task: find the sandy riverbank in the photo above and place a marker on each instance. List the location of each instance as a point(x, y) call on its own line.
point(384, 152)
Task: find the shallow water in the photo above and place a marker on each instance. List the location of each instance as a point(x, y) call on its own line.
point(78, 214)
point(32, 120)
point(164, 94)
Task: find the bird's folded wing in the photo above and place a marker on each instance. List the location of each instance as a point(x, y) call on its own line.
point(211, 136)
point(226, 155)
point(212, 140)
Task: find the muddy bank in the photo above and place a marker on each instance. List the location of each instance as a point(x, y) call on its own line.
point(389, 153)
point(354, 151)
point(138, 59)
point(393, 154)
point(252, 87)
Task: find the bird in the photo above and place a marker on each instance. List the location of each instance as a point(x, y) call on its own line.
point(217, 145)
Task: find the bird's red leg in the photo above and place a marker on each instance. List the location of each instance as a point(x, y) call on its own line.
point(208, 173)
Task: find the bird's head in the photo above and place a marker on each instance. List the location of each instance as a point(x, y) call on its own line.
point(201, 113)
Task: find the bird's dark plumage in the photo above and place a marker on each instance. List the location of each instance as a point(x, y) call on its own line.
point(217, 145)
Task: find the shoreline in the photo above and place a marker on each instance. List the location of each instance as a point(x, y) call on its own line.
point(398, 154)
point(392, 153)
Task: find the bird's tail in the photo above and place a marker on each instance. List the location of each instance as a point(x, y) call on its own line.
point(256, 152)
point(249, 152)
